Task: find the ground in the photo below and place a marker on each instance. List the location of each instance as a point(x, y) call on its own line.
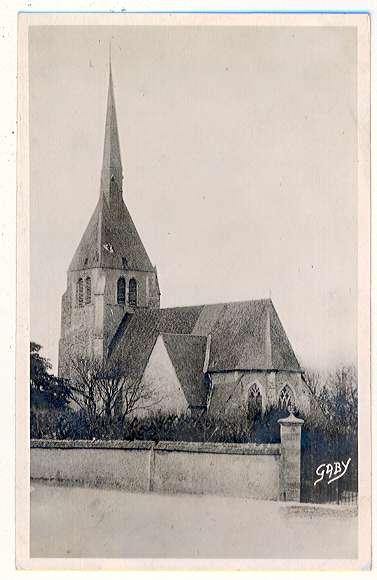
point(106, 523)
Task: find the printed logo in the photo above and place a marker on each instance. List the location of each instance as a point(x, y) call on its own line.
point(333, 471)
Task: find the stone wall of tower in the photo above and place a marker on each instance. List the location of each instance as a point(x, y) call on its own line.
point(77, 323)
point(88, 329)
point(113, 312)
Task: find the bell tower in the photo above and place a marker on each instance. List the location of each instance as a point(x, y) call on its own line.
point(110, 275)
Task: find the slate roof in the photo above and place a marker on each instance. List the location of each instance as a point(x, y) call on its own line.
point(111, 234)
point(133, 342)
point(187, 354)
point(244, 336)
point(108, 239)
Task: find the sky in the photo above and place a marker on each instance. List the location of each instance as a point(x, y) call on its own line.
point(239, 151)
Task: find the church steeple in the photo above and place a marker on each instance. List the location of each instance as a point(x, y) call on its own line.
point(111, 239)
point(112, 174)
point(110, 276)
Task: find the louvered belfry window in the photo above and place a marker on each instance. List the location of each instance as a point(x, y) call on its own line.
point(132, 292)
point(121, 291)
point(88, 290)
point(80, 293)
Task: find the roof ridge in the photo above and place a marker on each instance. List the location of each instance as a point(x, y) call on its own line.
point(183, 334)
point(266, 300)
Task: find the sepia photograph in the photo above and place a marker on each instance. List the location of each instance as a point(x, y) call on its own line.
point(194, 214)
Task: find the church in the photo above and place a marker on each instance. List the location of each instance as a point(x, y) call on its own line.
point(214, 358)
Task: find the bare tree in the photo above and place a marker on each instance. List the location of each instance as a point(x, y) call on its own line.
point(313, 381)
point(334, 398)
point(339, 399)
point(84, 384)
point(104, 389)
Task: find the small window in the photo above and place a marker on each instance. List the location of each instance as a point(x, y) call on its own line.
point(124, 263)
point(113, 185)
point(80, 293)
point(254, 402)
point(286, 399)
point(132, 292)
point(121, 291)
point(88, 290)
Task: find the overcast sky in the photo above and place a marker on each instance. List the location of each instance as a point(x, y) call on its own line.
point(239, 152)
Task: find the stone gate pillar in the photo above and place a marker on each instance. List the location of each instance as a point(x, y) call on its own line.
point(290, 458)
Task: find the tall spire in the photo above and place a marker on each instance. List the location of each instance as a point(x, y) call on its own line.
point(112, 175)
point(111, 239)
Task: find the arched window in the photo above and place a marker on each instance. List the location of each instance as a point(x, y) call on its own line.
point(80, 293)
point(254, 402)
point(286, 399)
point(121, 291)
point(132, 292)
point(88, 290)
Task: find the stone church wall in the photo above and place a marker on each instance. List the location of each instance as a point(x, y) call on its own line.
point(296, 383)
point(161, 383)
point(230, 390)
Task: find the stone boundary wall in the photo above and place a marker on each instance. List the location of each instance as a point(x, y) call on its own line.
point(247, 470)
point(189, 446)
point(260, 471)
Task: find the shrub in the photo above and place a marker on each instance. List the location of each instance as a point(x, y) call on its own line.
point(331, 423)
point(70, 424)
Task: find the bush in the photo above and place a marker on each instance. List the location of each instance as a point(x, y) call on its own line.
point(70, 424)
point(331, 423)
point(63, 424)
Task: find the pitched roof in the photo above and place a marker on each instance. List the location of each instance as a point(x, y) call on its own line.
point(187, 354)
point(244, 336)
point(111, 234)
point(133, 343)
point(110, 238)
point(249, 336)
point(239, 337)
